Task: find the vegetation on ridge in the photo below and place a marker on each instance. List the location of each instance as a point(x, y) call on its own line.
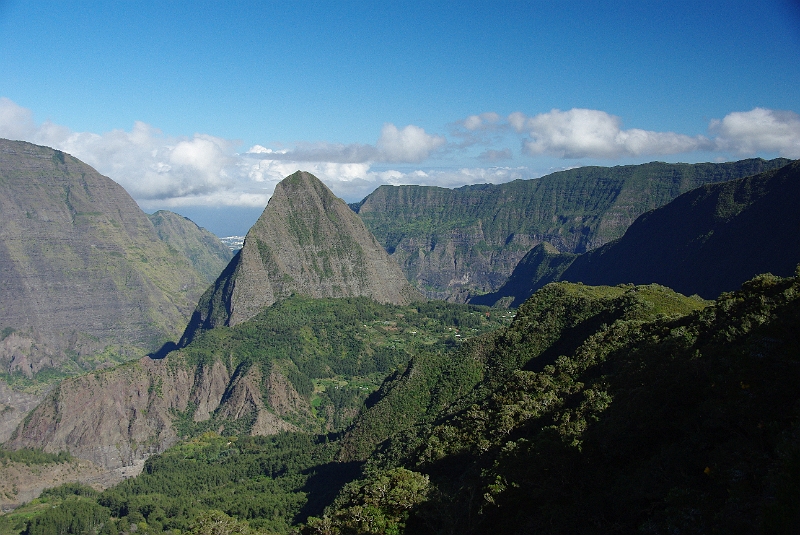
point(628, 419)
point(335, 352)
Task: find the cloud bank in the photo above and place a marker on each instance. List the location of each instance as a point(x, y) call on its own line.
point(759, 130)
point(583, 133)
point(204, 170)
point(162, 171)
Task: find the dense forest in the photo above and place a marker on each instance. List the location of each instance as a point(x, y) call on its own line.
point(599, 409)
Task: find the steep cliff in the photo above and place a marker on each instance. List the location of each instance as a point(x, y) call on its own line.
point(453, 244)
point(81, 266)
point(116, 417)
point(706, 241)
point(306, 242)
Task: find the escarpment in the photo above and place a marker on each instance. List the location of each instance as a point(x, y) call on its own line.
point(116, 417)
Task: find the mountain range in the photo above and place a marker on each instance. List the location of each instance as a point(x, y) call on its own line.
point(306, 243)
point(454, 244)
point(624, 407)
point(706, 241)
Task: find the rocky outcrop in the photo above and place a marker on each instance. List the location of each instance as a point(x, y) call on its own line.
point(306, 242)
point(117, 417)
point(13, 408)
point(456, 243)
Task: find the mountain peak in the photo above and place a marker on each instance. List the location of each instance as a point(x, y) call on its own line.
point(309, 242)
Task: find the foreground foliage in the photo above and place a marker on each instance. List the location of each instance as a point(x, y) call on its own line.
point(602, 413)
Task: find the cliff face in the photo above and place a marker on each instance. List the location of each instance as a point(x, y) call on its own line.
point(453, 244)
point(306, 242)
point(81, 266)
point(707, 241)
point(116, 417)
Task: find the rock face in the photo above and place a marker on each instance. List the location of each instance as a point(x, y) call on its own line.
point(205, 251)
point(81, 266)
point(117, 417)
point(707, 241)
point(13, 408)
point(307, 242)
point(456, 243)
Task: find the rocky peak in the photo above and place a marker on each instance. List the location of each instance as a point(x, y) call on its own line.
point(308, 242)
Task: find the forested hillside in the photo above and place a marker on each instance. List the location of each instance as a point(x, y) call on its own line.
point(456, 243)
point(599, 409)
point(302, 364)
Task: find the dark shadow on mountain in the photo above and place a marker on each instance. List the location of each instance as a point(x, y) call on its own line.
point(324, 484)
point(573, 337)
point(163, 351)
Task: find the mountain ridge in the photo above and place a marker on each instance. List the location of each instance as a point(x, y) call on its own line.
point(454, 244)
point(85, 279)
point(706, 241)
point(207, 253)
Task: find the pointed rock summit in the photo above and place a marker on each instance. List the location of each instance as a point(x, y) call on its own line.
point(309, 242)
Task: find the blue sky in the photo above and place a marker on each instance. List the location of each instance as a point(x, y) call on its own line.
point(202, 107)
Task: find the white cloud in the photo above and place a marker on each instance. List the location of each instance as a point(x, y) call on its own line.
point(16, 122)
point(411, 144)
point(584, 133)
point(481, 122)
point(750, 132)
point(203, 170)
point(155, 169)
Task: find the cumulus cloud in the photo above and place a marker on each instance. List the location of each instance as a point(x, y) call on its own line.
point(582, 133)
point(481, 122)
point(16, 122)
point(411, 144)
point(159, 170)
point(759, 129)
point(203, 170)
point(585, 133)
